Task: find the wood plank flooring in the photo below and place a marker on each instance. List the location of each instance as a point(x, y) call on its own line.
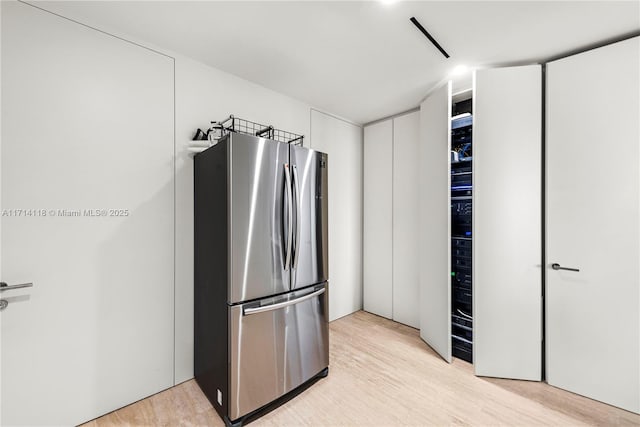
point(383, 374)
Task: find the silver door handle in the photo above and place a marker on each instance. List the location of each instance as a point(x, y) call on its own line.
point(256, 310)
point(287, 175)
point(557, 266)
point(297, 240)
point(5, 287)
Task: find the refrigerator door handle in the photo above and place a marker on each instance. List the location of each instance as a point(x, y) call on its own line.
point(287, 259)
point(271, 307)
point(296, 243)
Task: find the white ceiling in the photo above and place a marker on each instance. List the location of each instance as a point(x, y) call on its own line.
point(359, 60)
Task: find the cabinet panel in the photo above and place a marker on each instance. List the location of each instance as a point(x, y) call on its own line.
point(435, 221)
point(507, 221)
point(406, 131)
point(593, 211)
point(378, 234)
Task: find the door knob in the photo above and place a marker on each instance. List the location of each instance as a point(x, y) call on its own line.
point(557, 266)
point(5, 287)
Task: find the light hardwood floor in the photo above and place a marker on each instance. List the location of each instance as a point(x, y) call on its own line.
point(383, 374)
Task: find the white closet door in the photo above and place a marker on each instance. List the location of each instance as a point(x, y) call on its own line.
point(378, 233)
point(593, 224)
point(435, 220)
point(87, 125)
point(507, 221)
point(406, 132)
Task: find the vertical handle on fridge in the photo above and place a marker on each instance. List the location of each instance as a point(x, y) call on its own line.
point(289, 230)
point(298, 219)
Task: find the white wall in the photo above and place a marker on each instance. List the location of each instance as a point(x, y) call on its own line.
point(342, 141)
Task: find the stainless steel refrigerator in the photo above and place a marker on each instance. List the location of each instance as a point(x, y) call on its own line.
point(261, 271)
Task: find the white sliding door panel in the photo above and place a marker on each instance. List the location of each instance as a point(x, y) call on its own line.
point(593, 224)
point(435, 221)
point(378, 232)
point(406, 136)
point(87, 126)
point(507, 222)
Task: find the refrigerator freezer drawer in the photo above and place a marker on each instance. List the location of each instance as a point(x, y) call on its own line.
point(276, 344)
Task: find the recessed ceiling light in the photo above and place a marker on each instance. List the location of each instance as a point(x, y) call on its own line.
point(388, 2)
point(459, 70)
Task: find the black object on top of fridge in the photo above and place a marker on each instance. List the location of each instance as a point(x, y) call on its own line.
point(261, 271)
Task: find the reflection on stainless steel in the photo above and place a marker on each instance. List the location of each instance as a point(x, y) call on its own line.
point(273, 352)
point(256, 217)
point(311, 257)
point(252, 213)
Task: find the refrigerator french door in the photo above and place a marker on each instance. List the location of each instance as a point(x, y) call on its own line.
point(260, 272)
point(309, 258)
